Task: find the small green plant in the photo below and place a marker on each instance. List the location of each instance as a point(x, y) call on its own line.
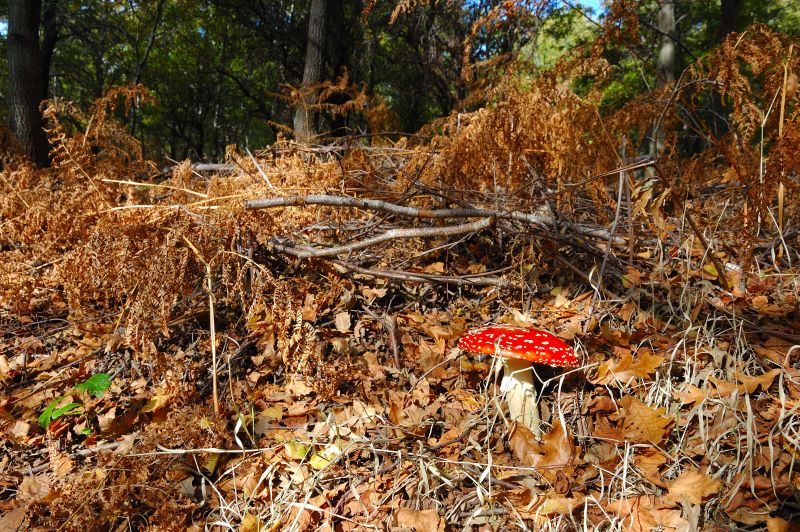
point(96, 386)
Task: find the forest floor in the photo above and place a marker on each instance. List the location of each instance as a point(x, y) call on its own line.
point(340, 401)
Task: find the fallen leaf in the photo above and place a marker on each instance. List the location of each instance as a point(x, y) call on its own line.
point(419, 520)
point(20, 430)
point(627, 369)
point(342, 322)
point(13, 519)
point(776, 524)
point(295, 450)
point(692, 486)
point(155, 403)
point(649, 462)
point(558, 449)
point(641, 423)
point(691, 395)
point(33, 489)
point(322, 459)
point(555, 452)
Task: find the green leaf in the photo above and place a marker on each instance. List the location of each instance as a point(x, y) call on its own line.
point(55, 411)
point(96, 385)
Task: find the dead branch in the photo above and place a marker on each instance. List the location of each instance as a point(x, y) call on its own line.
point(303, 252)
point(415, 277)
point(414, 212)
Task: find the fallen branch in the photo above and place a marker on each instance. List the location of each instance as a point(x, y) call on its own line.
point(414, 212)
point(304, 252)
point(202, 167)
point(414, 277)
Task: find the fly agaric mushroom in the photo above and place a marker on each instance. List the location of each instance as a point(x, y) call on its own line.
point(519, 349)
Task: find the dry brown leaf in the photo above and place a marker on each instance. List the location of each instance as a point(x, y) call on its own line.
point(419, 520)
point(691, 395)
point(641, 423)
point(692, 486)
point(776, 524)
point(559, 450)
point(555, 505)
point(749, 384)
point(13, 519)
point(752, 383)
point(649, 462)
point(644, 514)
point(627, 369)
point(342, 322)
point(554, 453)
point(33, 489)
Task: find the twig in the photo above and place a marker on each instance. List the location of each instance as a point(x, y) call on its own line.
point(80, 452)
point(212, 328)
point(414, 277)
point(391, 327)
point(602, 272)
point(303, 252)
point(154, 185)
point(260, 171)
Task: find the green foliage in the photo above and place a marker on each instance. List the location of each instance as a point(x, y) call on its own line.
point(55, 409)
point(96, 386)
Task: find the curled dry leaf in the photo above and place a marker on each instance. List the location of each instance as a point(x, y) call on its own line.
point(553, 454)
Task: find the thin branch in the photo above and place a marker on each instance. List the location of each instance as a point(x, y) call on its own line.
point(414, 277)
point(303, 252)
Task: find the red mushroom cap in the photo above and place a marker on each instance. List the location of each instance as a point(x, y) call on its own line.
point(536, 346)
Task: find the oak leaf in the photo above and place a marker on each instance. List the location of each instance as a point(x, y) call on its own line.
point(641, 423)
point(749, 384)
point(555, 452)
point(693, 486)
point(627, 369)
point(691, 395)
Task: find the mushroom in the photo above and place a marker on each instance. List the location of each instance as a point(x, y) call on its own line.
point(519, 350)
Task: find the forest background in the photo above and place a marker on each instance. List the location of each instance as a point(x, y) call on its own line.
point(227, 72)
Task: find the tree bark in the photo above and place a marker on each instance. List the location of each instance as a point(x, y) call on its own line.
point(665, 66)
point(312, 72)
point(665, 62)
point(728, 23)
point(26, 81)
point(728, 18)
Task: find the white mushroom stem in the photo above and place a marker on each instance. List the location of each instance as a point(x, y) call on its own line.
point(519, 390)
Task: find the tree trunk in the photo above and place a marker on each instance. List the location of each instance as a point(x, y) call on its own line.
point(312, 72)
point(25, 79)
point(728, 23)
point(665, 63)
point(728, 18)
point(665, 66)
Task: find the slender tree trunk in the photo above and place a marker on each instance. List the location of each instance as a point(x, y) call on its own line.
point(25, 79)
point(312, 72)
point(728, 17)
point(665, 62)
point(728, 23)
point(665, 67)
